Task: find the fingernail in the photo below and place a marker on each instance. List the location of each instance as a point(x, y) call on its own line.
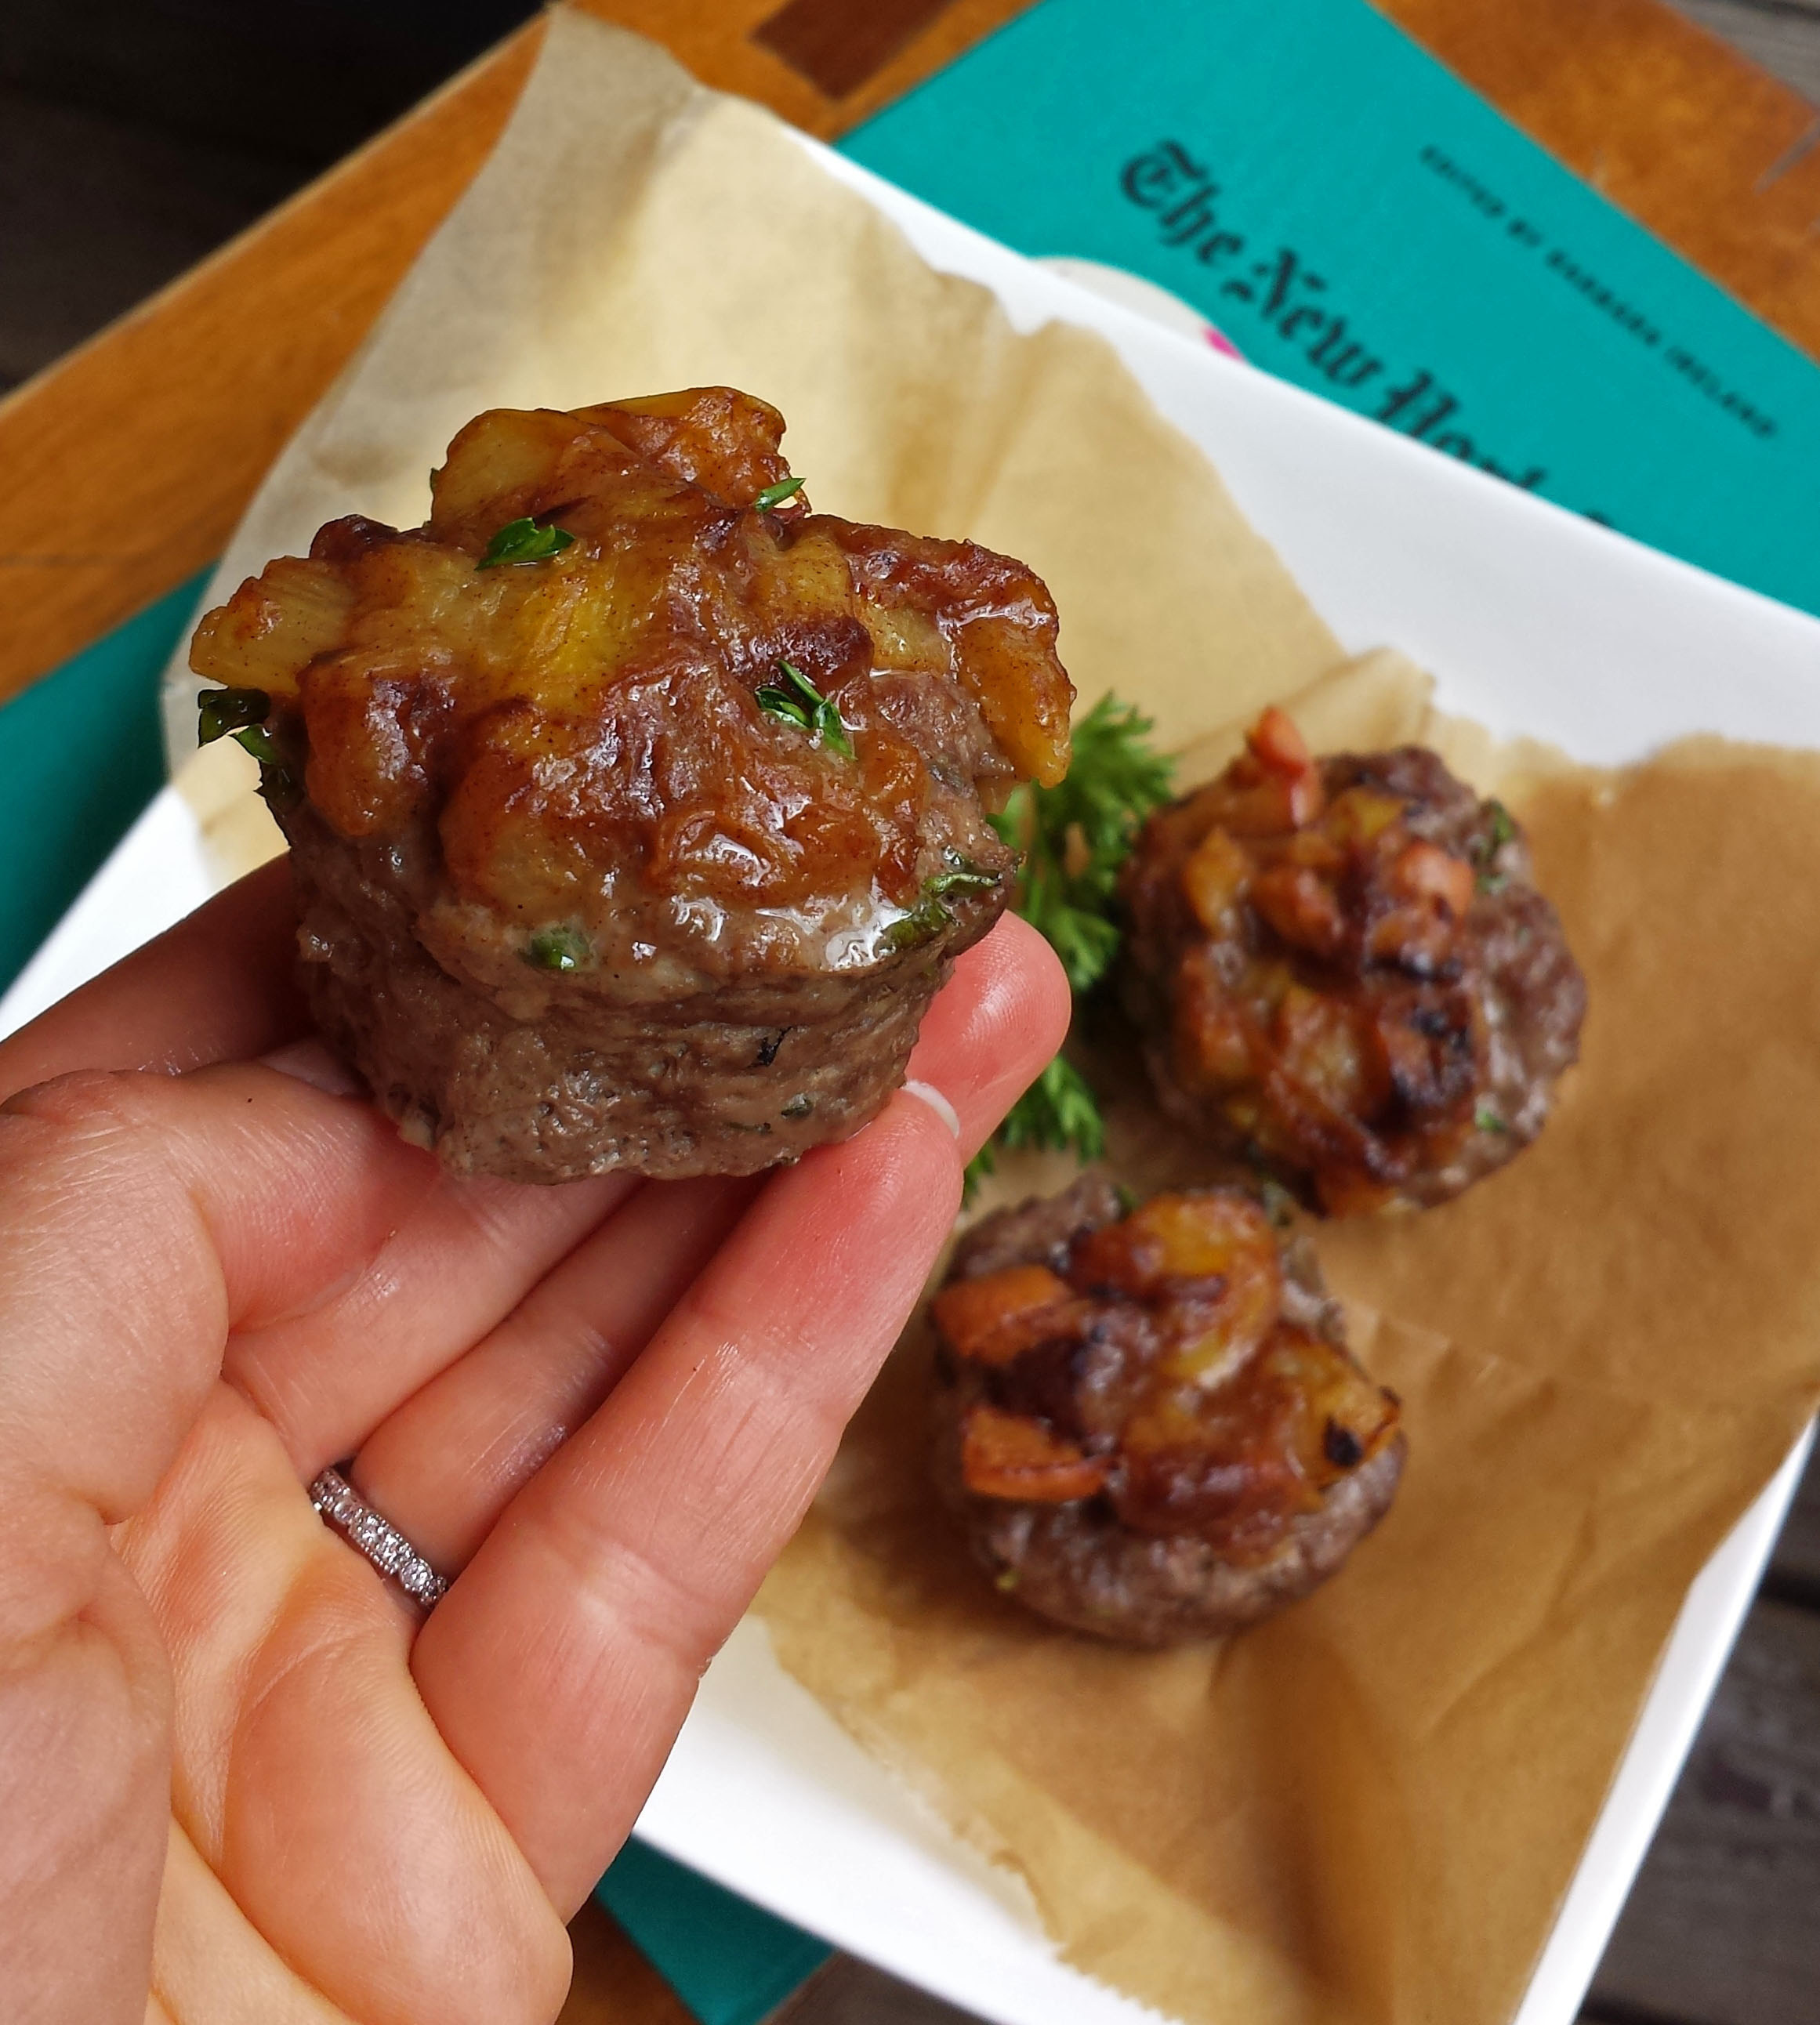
point(309, 1062)
point(926, 1093)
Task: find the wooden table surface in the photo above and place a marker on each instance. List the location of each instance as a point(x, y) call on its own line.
point(126, 153)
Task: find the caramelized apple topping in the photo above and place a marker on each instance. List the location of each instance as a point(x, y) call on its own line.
point(1159, 1371)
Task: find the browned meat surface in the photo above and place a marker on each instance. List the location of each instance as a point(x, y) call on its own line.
point(1149, 1424)
point(1345, 974)
point(638, 812)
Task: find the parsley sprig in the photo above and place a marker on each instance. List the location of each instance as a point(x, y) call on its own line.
point(524, 541)
point(1075, 837)
point(796, 700)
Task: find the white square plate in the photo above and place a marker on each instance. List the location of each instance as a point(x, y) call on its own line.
point(1533, 621)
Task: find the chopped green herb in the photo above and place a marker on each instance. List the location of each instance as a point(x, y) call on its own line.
point(524, 541)
point(924, 922)
point(558, 948)
point(966, 877)
point(1005, 1581)
point(1484, 849)
point(774, 495)
point(798, 1107)
point(220, 711)
point(796, 700)
point(257, 740)
point(1487, 1120)
point(928, 918)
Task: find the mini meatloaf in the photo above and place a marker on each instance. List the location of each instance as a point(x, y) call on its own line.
point(636, 812)
point(1344, 974)
point(1150, 1423)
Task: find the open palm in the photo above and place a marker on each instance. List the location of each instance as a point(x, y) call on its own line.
point(236, 1766)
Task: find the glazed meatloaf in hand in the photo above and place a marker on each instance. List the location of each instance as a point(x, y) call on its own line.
point(1150, 1423)
point(1344, 974)
point(635, 811)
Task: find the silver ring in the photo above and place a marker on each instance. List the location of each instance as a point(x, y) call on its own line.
point(382, 1542)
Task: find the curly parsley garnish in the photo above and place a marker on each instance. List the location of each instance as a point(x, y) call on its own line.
point(796, 700)
point(524, 541)
point(773, 496)
point(558, 948)
point(1075, 837)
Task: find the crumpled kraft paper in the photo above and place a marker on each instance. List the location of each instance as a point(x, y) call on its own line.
point(1366, 1810)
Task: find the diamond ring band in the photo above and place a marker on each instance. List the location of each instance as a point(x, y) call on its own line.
point(382, 1542)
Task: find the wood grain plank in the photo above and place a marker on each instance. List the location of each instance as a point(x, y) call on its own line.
point(131, 461)
point(1692, 140)
point(1723, 1926)
point(614, 1984)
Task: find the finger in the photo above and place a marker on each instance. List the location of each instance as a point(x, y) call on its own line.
point(573, 1642)
point(462, 1256)
point(993, 1027)
point(447, 1463)
point(220, 986)
point(444, 1467)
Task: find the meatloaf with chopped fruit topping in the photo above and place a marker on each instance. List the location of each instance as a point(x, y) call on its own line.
point(1344, 974)
point(1150, 1422)
point(636, 811)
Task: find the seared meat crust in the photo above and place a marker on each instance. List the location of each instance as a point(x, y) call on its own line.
point(1149, 1425)
point(726, 1082)
point(1343, 973)
point(1076, 1564)
point(648, 850)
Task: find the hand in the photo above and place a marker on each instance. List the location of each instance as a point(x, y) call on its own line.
point(235, 1768)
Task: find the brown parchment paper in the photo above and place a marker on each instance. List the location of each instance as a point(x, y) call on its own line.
point(1367, 1810)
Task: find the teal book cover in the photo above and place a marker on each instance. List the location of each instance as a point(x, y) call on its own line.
point(1355, 219)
